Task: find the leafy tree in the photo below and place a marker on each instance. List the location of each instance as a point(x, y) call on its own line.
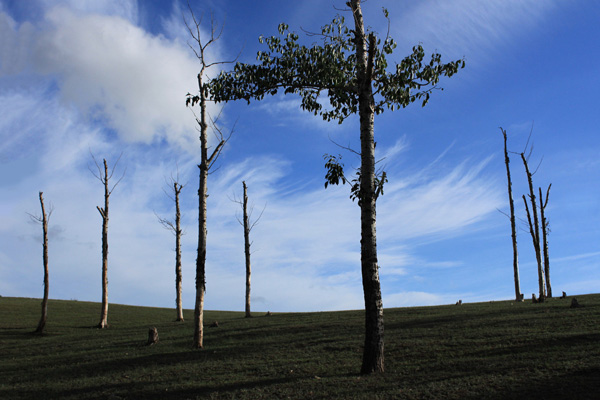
point(350, 68)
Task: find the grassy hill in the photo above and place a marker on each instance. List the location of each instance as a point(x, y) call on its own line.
point(497, 350)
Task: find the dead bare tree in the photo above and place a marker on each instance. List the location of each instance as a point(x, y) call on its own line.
point(248, 226)
point(545, 231)
point(513, 227)
point(104, 176)
point(207, 161)
point(44, 220)
point(534, 228)
point(175, 227)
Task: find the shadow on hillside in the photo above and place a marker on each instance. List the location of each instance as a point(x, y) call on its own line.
point(168, 390)
point(582, 385)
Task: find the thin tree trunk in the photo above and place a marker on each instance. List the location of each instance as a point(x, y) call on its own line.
point(543, 205)
point(42, 323)
point(202, 195)
point(373, 352)
point(177, 190)
point(535, 230)
point(532, 232)
point(513, 226)
point(104, 213)
point(247, 249)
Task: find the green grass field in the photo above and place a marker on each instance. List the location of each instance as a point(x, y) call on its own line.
point(497, 350)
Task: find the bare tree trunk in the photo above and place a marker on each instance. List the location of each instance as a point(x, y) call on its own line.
point(177, 189)
point(202, 195)
point(205, 165)
point(513, 226)
point(534, 229)
point(44, 220)
point(373, 352)
point(175, 227)
point(104, 213)
point(536, 248)
point(247, 249)
point(104, 177)
point(545, 229)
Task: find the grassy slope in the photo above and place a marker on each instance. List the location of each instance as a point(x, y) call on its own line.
point(495, 350)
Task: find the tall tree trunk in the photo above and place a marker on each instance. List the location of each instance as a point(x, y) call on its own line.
point(543, 204)
point(202, 196)
point(513, 226)
point(535, 229)
point(247, 248)
point(536, 248)
point(104, 213)
point(373, 352)
point(177, 190)
point(42, 323)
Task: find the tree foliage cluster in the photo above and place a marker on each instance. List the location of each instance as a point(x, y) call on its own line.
point(330, 69)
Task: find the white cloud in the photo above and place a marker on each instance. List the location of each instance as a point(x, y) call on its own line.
point(109, 69)
point(445, 202)
point(468, 28)
point(113, 70)
point(410, 299)
point(14, 45)
point(126, 9)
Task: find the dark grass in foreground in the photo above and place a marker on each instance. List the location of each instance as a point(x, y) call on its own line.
point(498, 350)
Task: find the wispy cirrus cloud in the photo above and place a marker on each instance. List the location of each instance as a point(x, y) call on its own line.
point(468, 28)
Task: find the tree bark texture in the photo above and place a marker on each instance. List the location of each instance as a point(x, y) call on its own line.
point(545, 230)
point(43, 318)
point(104, 214)
point(247, 248)
point(202, 196)
point(177, 189)
point(513, 226)
point(373, 352)
point(535, 229)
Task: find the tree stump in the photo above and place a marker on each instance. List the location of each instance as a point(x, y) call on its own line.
point(268, 314)
point(542, 299)
point(564, 295)
point(215, 324)
point(575, 303)
point(534, 299)
point(152, 336)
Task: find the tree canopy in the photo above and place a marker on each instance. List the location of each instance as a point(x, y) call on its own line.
point(330, 68)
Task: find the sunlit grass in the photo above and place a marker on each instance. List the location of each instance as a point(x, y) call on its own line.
point(494, 350)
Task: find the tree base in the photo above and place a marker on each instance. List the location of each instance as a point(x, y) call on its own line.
point(152, 336)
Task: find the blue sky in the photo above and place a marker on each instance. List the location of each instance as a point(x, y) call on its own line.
point(110, 77)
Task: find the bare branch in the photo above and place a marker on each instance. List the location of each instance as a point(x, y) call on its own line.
point(194, 32)
point(99, 175)
point(528, 138)
point(538, 166)
point(502, 212)
point(257, 219)
point(344, 147)
point(166, 223)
